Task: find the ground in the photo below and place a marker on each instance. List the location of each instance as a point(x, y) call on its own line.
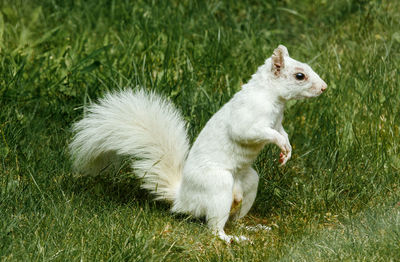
point(337, 199)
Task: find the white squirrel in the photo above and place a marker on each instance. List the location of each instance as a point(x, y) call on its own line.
point(216, 174)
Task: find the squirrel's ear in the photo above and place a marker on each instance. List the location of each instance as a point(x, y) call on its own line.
point(278, 59)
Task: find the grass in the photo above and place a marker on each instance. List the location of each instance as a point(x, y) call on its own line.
point(336, 200)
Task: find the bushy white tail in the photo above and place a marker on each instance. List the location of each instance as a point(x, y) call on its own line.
point(139, 125)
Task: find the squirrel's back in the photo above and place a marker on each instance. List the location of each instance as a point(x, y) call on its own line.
point(138, 125)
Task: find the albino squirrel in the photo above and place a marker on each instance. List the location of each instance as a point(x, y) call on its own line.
point(215, 175)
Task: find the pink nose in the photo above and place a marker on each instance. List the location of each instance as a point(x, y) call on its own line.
point(323, 88)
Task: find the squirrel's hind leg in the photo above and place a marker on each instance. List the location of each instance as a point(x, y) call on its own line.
point(218, 204)
point(248, 181)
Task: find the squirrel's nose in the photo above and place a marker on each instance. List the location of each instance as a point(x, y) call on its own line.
point(324, 86)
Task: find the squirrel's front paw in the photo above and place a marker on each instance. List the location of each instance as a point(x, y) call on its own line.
point(284, 156)
point(281, 157)
point(286, 149)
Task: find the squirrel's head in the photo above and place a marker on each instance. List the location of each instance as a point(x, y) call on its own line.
point(295, 80)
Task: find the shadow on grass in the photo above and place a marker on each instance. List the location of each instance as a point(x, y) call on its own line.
point(120, 190)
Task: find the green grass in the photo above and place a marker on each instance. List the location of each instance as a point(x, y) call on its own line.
point(336, 200)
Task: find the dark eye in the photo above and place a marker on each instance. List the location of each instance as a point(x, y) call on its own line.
point(300, 76)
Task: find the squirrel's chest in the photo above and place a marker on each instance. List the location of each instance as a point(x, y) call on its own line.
point(274, 116)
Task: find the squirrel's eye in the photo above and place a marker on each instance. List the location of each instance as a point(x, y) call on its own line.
point(300, 76)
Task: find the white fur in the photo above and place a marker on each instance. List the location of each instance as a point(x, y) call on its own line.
point(216, 173)
point(134, 124)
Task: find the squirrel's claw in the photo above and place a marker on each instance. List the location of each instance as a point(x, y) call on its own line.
point(283, 158)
